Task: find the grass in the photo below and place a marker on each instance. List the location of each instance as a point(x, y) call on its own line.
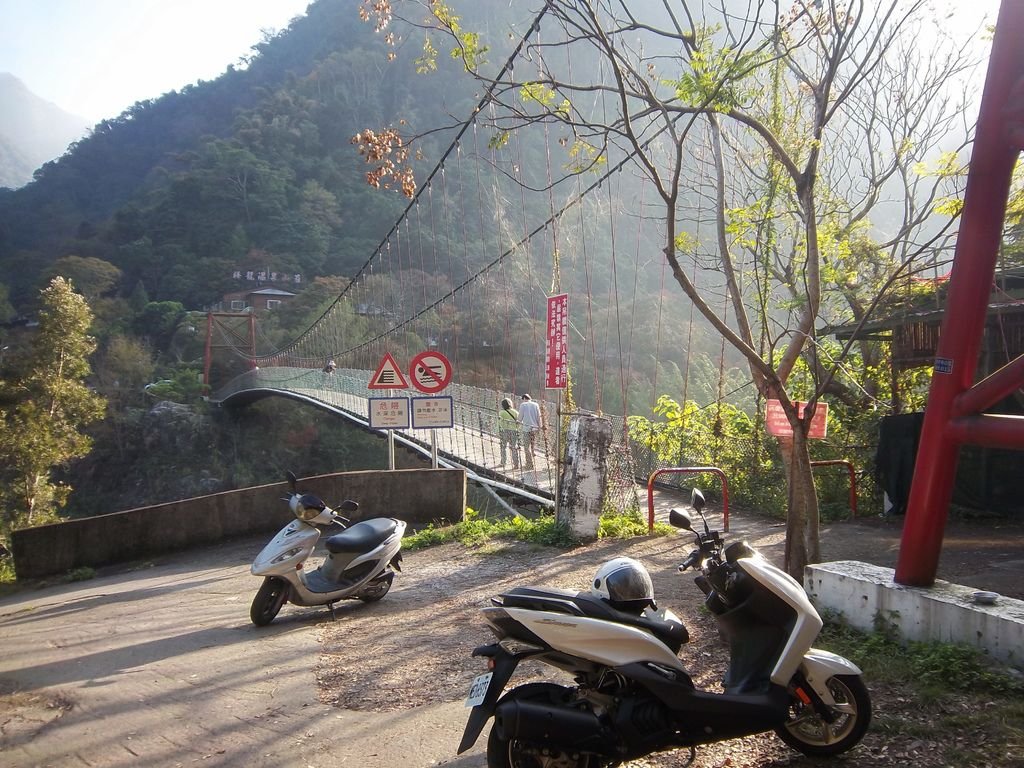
point(948, 695)
point(475, 530)
point(615, 524)
point(932, 668)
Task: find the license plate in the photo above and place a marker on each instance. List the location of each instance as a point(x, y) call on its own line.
point(478, 690)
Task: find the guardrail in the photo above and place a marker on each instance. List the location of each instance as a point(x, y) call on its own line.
point(687, 471)
point(853, 478)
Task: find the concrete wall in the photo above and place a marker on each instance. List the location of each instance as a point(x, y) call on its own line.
point(945, 612)
point(417, 496)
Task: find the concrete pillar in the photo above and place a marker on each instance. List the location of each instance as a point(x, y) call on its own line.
point(582, 489)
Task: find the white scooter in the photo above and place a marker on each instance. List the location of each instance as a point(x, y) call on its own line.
point(633, 695)
point(360, 564)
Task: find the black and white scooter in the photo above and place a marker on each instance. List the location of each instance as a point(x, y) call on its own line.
point(633, 696)
point(360, 564)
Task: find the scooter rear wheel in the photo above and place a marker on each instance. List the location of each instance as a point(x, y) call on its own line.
point(272, 594)
point(808, 732)
point(377, 588)
point(502, 753)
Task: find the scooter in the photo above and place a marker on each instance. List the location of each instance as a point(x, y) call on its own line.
point(633, 695)
point(360, 564)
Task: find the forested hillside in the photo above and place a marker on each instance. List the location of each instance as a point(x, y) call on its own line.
point(153, 213)
point(253, 167)
point(158, 213)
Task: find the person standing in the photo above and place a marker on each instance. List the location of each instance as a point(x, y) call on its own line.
point(508, 432)
point(529, 418)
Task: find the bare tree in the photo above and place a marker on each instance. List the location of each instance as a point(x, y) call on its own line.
point(811, 118)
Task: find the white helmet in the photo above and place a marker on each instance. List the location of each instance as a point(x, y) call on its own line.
point(625, 583)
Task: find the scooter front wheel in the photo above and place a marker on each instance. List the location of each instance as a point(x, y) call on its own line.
point(272, 594)
point(808, 732)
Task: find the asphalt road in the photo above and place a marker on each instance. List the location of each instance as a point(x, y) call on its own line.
point(160, 666)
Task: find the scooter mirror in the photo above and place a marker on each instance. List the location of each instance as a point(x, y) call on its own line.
point(677, 518)
point(697, 500)
point(349, 506)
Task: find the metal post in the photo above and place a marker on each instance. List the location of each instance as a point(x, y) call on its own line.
point(391, 441)
point(558, 455)
point(996, 147)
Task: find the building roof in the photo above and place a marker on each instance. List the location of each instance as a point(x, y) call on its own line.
point(268, 292)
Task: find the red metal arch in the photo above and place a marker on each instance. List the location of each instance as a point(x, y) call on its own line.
point(955, 413)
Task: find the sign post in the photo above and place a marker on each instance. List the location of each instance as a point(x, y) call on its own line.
point(389, 376)
point(556, 369)
point(556, 348)
point(433, 413)
point(776, 423)
point(430, 372)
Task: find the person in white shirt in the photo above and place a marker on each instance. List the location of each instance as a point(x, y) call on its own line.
point(529, 418)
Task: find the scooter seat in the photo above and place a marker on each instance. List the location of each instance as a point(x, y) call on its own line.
point(672, 633)
point(361, 537)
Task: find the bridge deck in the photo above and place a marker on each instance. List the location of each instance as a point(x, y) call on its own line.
point(472, 442)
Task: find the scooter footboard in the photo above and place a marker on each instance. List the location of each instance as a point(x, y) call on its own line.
point(818, 666)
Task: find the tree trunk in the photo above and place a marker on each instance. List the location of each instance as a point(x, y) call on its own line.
point(802, 524)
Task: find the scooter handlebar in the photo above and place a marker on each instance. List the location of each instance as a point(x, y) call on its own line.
point(691, 561)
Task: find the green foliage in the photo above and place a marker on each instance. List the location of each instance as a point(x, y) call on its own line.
point(158, 322)
point(467, 47)
point(184, 385)
point(90, 276)
point(84, 573)
point(50, 405)
point(474, 530)
point(720, 435)
point(719, 76)
point(616, 524)
point(927, 666)
point(7, 574)
point(6, 308)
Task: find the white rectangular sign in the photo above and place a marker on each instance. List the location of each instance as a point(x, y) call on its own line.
point(432, 413)
point(389, 412)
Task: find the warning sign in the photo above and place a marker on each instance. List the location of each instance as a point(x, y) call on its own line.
point(388, 375)
point(777, 424)
point(389, 412)
point(556, 348)
point(432, 413)
point(430, 372)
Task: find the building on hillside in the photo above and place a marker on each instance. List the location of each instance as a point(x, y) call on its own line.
point(986, 477)
point(253, 300)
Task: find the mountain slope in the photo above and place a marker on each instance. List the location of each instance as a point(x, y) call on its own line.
point(257, 165)
point(32, 131)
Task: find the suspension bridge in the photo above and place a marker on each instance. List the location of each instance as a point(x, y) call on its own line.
point(499, 225)
point(473, 441)
point(467, 270)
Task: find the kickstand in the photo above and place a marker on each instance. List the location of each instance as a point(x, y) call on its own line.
point(334, 617)
point(693, 756)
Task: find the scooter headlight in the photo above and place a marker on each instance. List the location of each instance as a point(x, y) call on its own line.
point(306, 513)
point(286, 555)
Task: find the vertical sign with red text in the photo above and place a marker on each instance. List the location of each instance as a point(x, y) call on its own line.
point(556, 353)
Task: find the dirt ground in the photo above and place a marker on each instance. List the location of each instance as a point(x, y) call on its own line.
point(435, 616)
point(156, 663)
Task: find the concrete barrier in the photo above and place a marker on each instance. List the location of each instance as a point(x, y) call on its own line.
point(417, 496)
point(945, 612)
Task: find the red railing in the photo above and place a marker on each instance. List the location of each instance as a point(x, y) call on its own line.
point(853, 479)
point(687, 471)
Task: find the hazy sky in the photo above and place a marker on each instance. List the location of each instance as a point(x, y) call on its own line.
point(94, 58)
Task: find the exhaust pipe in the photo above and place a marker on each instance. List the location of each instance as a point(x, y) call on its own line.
point(551, 725)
